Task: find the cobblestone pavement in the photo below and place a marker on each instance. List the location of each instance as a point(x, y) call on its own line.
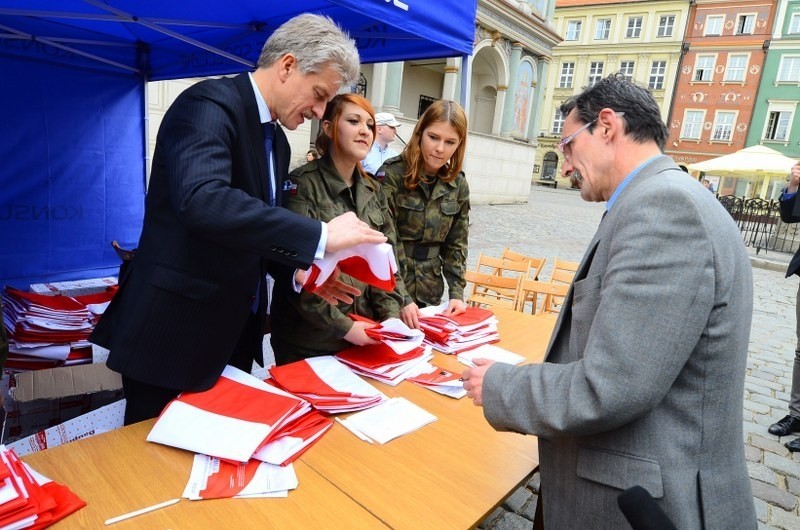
point(558, 223)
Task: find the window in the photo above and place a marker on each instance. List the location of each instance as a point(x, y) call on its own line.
point(794, 23)
point(595, 72)
point(778, 125)
point(573, 30)
point(714, 25)
point(692, 124)
point(744, 24)
point(423, 104)
point(658, 71)
point(567, 75)
point(634, 28)
point(626, 69)
point(558, 122)
point(665, 25)
point(704, 68)
point(735, 70)
point(603, 29)
point(723, 126)
point(789, 70)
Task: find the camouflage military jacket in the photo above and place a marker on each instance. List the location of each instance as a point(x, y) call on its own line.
point(304, 320)
point(432, 223)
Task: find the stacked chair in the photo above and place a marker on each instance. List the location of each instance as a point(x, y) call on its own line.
point(514, 281)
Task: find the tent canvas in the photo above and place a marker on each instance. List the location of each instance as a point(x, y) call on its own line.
point(753, 162)
point(74, 74)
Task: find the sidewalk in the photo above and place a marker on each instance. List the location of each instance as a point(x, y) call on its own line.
point(559, 223)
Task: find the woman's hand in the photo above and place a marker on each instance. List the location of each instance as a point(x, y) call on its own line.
point(410, 315)
point(358, 336)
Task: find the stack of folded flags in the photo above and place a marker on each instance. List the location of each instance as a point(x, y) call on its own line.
point(327, 384)
point(456, 333)
point(381, 362)
point(239, 418)
point(29, 499)
point(48, 331)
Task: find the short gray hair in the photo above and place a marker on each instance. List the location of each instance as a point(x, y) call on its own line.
point(316, 42)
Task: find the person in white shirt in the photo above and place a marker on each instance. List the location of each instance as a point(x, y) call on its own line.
point(386, 132)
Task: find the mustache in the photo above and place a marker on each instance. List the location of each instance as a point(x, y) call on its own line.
point(576, 178)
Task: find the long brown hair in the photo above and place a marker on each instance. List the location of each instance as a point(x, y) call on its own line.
point(439, 111)
point(333, 111)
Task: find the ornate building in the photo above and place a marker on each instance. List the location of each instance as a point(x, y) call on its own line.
point(641, 38)
point(775, 122)
point(724, 51)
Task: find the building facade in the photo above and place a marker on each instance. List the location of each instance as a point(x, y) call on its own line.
point(641, 38)
point(775, 122)
point(504, 93)
point(725, 48)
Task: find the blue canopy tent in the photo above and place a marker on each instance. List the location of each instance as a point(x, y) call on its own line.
point(73, 76)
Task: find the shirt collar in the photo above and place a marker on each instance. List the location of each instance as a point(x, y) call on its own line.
point(628, 179)
point(264, 114)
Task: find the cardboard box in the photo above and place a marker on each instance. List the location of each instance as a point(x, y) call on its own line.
point(76, 287)
point(40, 399)
point(95, 422)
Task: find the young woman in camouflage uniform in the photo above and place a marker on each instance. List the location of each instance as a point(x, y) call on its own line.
point(429, 199)
point(303, 324)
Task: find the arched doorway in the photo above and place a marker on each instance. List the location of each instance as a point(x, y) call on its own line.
point(550, 166)
point(489, 72)
point(483, 110)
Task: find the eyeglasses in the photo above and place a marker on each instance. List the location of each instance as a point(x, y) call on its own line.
point(563, 145)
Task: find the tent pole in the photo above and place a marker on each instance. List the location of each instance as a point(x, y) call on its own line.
point(175, 35)
point(465, 75)
point(70, 49)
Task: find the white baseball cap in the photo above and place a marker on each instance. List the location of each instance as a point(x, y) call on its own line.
point(386, 118)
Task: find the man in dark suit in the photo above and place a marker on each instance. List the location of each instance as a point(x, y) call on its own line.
point(790, 213)
point(194, 297)
point(643, 378)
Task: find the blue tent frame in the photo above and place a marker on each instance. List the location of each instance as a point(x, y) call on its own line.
point(74, 75)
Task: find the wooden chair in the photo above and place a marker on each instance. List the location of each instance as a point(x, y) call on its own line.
point(563, 273)
point(530, 290)
point(570, 266)
point(493, 290)
point(500, 267)
point(537, 264)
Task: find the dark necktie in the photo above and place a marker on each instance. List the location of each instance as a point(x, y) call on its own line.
point(269, 134)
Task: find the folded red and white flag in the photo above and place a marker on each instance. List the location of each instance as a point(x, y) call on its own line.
point(231, 420)
point(327, 384)
point(36, 501)
point(294, 439)
point(393, 332)
point(370, 263)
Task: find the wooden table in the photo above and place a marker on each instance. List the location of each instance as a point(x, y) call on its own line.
point(449, 474)
point(119, 472)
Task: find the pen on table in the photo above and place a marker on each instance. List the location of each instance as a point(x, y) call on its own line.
point(152, 508)
point(353, 430)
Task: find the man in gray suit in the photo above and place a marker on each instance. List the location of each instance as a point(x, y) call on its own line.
point(643, 379)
